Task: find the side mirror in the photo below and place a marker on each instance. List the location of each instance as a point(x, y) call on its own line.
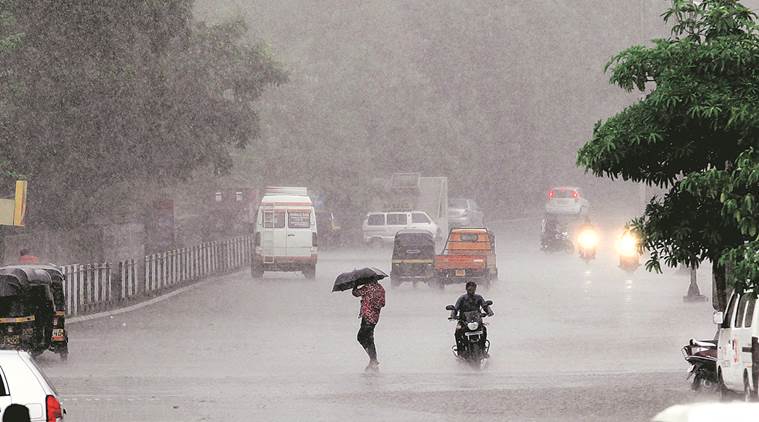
point(450, 308)
point(718, 318)
point(488, 302)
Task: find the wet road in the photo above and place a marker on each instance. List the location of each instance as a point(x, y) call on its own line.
point(569, 342)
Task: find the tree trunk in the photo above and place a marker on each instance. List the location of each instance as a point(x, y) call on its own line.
point(719, 287)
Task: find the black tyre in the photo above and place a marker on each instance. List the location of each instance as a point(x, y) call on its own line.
point(255, 270)
point(748, 395)
point(475, 356)
point(724, 393)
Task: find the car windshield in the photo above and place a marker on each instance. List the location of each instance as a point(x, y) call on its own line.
point(457, 203)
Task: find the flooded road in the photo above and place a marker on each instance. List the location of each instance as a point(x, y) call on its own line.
point(570, 341)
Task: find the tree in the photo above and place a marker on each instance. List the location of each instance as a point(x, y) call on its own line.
point(699, 115)
point(110, 99)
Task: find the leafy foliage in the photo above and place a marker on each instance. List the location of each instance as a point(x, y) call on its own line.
point(699, 114)
point(108, 99)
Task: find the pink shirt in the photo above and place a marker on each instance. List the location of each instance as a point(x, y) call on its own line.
point(372, 300)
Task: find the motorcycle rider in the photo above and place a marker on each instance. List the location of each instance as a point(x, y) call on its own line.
point(548, 230)
point(469, 302)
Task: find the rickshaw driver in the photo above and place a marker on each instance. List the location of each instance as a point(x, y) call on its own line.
point(469, 302)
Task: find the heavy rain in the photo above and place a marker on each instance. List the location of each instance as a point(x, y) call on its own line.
point(419, 210)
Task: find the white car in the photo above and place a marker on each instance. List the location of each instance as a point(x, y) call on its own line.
point(738, 346)
point(464, 213)
point(380, 227)
point(23, 382)
point(709, 412)
point(567, 200)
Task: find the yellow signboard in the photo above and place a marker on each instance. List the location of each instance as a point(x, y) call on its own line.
point(13, 211)
point(20, 203)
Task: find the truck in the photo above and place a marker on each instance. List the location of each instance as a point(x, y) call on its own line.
point(468, 255)
point(407, 192)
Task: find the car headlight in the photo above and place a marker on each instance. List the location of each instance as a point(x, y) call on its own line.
point(473, 325)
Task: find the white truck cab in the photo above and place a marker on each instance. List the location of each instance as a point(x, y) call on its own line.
point(285, 233)
point(737, 347)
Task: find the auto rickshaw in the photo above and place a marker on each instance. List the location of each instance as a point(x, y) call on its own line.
point(59, 335)
point(27, 309)
point(413, 258)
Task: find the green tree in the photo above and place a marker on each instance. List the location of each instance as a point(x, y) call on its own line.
point(110, 99)
point(698, 116)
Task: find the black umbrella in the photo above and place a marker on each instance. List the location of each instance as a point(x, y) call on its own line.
point(349, 280)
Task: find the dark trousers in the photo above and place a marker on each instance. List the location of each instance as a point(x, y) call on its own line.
point(365, 337)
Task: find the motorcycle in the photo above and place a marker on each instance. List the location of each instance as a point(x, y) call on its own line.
point(557, 242)
point(588, 242)
point(472, 349)
point(627, 247)
point(702, 357)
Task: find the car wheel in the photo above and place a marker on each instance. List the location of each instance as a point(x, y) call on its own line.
point(724, 393)
point(748, 395)
point(310, 272)
point(255, 270)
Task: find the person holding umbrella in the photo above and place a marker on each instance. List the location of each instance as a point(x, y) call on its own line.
point(365, 285)
point(372, 296)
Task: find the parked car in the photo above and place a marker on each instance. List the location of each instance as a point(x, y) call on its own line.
point(380, 227)
point(23, 382)
point(464, 213)
point(567, 200)
point(738, 346)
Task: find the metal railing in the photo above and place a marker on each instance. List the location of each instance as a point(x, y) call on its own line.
point(99, 287)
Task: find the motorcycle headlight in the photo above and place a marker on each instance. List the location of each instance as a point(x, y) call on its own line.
point(473, 325)
point(628, 245)
point(588, 239)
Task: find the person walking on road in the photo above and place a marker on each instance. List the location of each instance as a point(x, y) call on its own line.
point(372, 300)
point(26, 257)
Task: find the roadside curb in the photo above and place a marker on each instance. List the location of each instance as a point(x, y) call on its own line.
point(140, 305)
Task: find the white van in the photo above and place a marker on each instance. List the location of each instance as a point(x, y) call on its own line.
point(381, 227)
point(737, 346)
point(285, 233)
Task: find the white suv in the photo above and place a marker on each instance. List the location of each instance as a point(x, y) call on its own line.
point(22, 382)
point(381, 227)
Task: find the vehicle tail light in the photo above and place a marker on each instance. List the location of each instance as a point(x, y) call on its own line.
point(258, 239)
point(314, 242)
point(54, 411)
point(575, 195)
point(551, 193)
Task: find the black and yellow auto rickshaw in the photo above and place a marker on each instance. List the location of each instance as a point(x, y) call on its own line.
point(413, 258)
point(59, 336)
point(27, 309)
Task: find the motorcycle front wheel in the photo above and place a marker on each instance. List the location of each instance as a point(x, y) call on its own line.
point(475, 356)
